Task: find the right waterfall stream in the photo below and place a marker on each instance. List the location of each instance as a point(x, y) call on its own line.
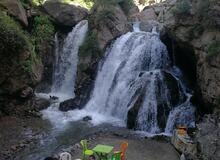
point(137, 84)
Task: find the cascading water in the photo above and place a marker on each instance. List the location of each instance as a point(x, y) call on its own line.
point(139, 62)
point(66, 61)
point(135, 84)
point(65, 69)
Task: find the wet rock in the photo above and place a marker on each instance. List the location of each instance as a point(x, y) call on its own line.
point(87, 118)
point(65, 14)
point(208, 137)
point(41, 103)
point(67, 105)
point(133, 112)
point(184, 144)
point(54, 98)
point(27, 92)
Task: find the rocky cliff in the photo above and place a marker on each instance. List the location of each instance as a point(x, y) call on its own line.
point(191, 30)
point(24, 47)
point(193, 27)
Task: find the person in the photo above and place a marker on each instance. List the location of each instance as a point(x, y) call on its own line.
point(92, 157)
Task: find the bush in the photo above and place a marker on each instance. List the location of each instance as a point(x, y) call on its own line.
point(182, 7)
point(12, 38)
point(83, 3)
point(43, 29)
point(213, 49)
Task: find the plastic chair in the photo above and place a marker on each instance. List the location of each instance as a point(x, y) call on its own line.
point(86, 151)
point(116, 156)
point(123, 148)
point(65, 156)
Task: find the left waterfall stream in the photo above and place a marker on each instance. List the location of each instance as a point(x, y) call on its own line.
point(59, 136)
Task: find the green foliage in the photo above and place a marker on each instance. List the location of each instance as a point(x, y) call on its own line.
point(12, 38)
point(43, 30)
point(90, 46)
point(27, 66)
point(33, 59)
point(213, 49)
point(83, 3)
point(25, 1)
point(38, 2)
point(182, 7)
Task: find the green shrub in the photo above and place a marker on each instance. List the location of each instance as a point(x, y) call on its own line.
point(12, 38)
point(90, 46)
point(213, 49)
point(182, 7)
point(43, 29)
point(83, 3)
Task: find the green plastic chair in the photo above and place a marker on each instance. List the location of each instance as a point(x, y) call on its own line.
point(116, 156)
point(86, 151)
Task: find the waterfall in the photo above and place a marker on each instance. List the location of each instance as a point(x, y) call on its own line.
point(138, 63)
point(66, 61)
point(136, 84)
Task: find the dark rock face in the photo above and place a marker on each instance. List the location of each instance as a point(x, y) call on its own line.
point(195, 32)
point(64, 14)
point(27, 92)
point(67, 105)
point(133, 112)
point(41, 103)
point(208, 137)
point(15, 9)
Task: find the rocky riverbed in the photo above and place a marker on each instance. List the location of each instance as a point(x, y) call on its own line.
point(36, 139)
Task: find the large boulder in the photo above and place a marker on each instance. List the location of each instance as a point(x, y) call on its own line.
point(69, 104)
point(65, 14)
point(15, 8)
point(109, 24)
